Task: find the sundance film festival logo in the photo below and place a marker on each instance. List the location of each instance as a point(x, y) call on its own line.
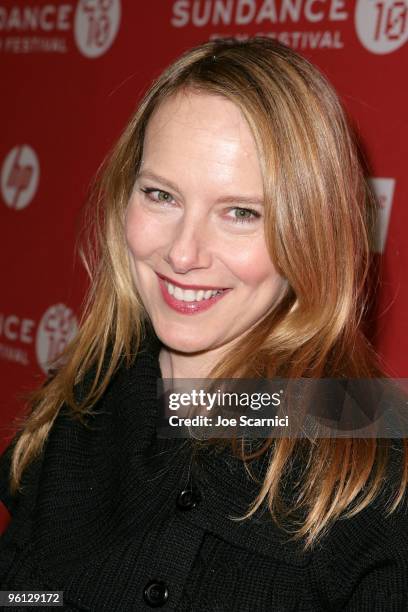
point(47, 28)
point(56, 329)
point(18, 334)
point(19, 177)
point(304, 24)
point(96, 25)
point(382, 25)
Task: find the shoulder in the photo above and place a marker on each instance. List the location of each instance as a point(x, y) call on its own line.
point(364, 558)
point(66, 433)
point(78, 448)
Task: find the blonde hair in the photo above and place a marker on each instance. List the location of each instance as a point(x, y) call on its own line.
point(317, 204)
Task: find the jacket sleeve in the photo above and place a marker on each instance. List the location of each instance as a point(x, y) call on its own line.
point(384, 588)
point(362, 564)
point(364, 568)
point(380, 559)
point(9, 500)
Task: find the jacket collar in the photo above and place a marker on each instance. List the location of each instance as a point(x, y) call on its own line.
point(227, 489)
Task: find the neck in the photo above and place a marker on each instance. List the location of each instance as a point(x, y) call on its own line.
point(174, 364)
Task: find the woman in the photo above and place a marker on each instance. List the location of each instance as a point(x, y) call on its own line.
point(230, 227)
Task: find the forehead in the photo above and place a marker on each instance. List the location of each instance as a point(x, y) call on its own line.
point(201, 129)
point(198, 108)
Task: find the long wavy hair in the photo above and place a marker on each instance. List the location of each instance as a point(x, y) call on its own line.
point(317, 210)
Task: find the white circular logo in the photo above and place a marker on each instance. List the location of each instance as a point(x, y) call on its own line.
point(19, 176)
point(96, 25)
point(382, 25)
point(56, 329)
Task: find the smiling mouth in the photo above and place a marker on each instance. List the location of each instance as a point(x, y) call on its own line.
point(188, 301)
point(191, 295)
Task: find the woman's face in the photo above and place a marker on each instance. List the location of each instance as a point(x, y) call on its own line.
point(195, 220)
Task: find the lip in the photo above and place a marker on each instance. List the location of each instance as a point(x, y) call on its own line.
point(188, 308)
point(195, 287)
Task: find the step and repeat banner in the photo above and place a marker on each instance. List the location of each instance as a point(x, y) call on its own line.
point(72, 72)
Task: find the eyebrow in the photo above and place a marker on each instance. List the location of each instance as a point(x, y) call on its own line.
point(230, 199)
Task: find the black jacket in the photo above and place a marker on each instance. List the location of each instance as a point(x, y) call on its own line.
point(121, 520)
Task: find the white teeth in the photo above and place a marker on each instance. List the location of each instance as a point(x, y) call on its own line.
point(189, 295)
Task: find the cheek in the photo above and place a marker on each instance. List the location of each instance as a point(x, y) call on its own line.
point(139, 237)
point(253, 266)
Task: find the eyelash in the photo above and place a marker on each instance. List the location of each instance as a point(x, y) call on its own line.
point(255, 214)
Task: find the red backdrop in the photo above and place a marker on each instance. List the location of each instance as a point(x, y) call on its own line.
point(72, 73)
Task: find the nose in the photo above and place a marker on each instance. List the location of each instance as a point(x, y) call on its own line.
point(189, 245)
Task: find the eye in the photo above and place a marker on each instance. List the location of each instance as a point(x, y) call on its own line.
point(245, 215)
point(162, 196)
point(241, 215)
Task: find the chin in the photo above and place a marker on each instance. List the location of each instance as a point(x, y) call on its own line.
point(184, 345)
point(179, 341)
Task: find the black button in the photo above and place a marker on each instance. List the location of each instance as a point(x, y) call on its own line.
point(155, 593)
point(188, 499)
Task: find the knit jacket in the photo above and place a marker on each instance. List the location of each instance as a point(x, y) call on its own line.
point(122, 520)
